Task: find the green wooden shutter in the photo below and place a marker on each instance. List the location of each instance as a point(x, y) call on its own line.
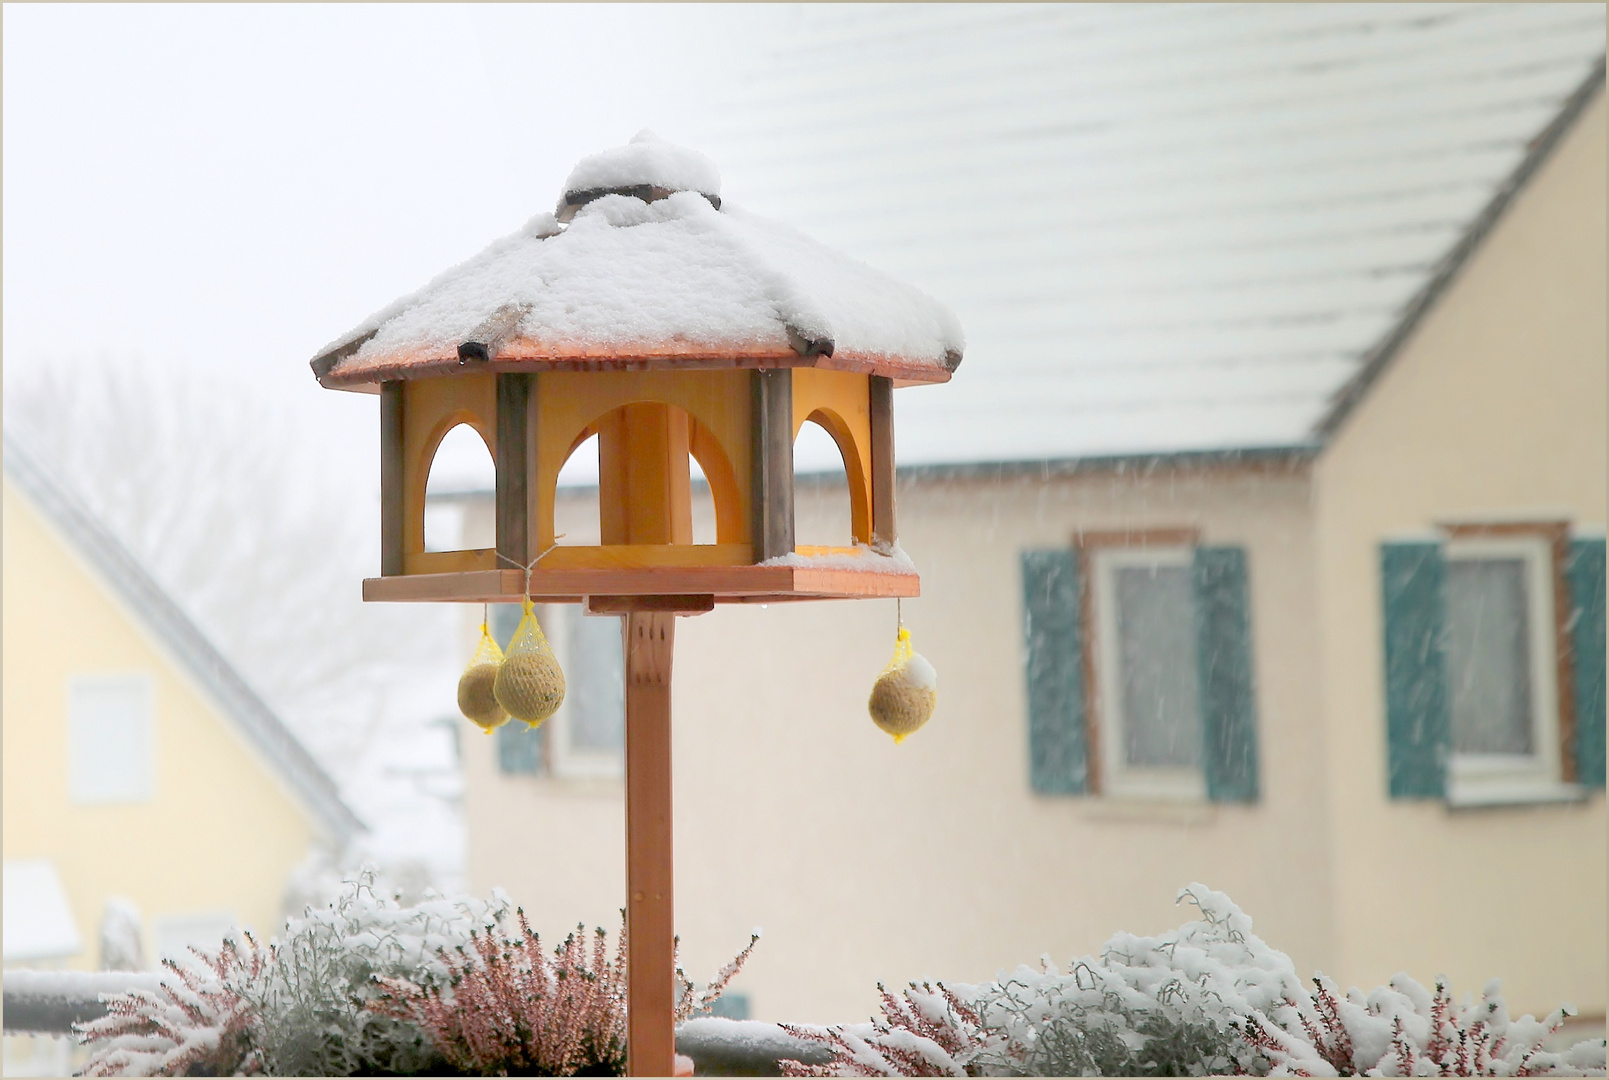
point(1056, 742)
point(1586, 576)
point(1224, 672)
point(1418, 728)
point(519, 748)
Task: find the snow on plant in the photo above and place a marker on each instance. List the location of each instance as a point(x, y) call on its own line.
point(506, 1008)
point(931, 1032)
point(298, 1006)
point(1209, 997)
point(195, 1025)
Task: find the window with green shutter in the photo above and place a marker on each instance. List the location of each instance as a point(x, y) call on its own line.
point(1474, 649)
point(1585, 577)
point(1170, 646)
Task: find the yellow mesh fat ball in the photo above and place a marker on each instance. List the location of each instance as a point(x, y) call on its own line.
point(906, 692)
point(529, 683)
point(475, 698)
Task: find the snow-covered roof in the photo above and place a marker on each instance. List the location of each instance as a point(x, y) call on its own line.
point(651, 270)
point(39, 923)
point(237, 701)
point(1166, 227)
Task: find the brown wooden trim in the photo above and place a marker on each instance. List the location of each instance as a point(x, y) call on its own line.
point(692, 604)
point(728, 584)
point(771, 425)
point(516, 460)
point(881, 405)
point(1092, 700)
point(519, 355)
point(391, 479)
point(1557, 535)
point(1182, 536)
point(649, 641)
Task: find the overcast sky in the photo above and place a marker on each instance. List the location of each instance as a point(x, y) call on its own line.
point(236, 185)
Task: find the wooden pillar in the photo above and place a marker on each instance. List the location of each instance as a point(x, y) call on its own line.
point(650, 924)
point(882, 424)
point(771, 421)
point(391, 478)
point(516, 468)
point(643, 487)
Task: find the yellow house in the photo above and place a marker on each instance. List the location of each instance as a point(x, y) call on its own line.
point(1286, 577)
point(139, 767)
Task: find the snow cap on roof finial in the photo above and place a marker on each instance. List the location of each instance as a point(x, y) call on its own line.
point(647, 168)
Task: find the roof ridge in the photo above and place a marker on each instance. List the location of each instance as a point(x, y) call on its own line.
point(153, 606)
point(1379, 356)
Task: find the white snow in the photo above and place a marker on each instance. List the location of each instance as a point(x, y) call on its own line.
point(920, 673)
point(672, 275)
point(77, 985)
point(647, 159)
point(39, 922)
point(864, 558)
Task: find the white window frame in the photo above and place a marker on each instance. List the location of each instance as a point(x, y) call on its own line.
point(566, 761)
point(1479, 779)
point(1118, 778)
point(139, 772)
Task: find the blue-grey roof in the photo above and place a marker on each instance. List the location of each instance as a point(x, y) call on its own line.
point(1165, 228)
point(261, 728)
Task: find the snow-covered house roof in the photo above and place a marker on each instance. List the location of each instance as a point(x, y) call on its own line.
point(644, 266)
point(38, 920)
point(261, 728)
point(1167, 228)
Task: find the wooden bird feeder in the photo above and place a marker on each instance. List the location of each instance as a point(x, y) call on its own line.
point(645, 313)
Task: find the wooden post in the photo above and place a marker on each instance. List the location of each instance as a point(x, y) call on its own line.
point(650, 925)
point(392, 476)
point(881, 392)
point(516, 468)
point(771, 415)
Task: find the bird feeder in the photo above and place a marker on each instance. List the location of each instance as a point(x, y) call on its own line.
point(671, 326)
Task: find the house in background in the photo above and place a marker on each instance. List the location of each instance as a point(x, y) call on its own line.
point(1261, 533)
point(139, 768)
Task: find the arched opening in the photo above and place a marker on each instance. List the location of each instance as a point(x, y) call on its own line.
point(461, 475)
point(822, 506)
point(618, 450)
point(575, 500)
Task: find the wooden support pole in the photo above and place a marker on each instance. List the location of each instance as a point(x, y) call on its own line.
point(650, 925)
point(771, 424)
point(881, 391)
point(516, 467)
point(391, 479)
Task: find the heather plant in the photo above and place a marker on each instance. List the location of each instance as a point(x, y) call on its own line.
point(1208, 998)
point(928, 1031)
point(195, 1025)
point(299, 1006)
point(506, 1008)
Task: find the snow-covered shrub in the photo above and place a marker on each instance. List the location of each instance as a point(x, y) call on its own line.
point(505, 1008)
point(299, 1006)
point(931, 1032)
point(195, 1025)
point(1209, 997)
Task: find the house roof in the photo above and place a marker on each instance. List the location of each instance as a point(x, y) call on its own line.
point(652, 270)
point(261, 728)
point(1167, 228)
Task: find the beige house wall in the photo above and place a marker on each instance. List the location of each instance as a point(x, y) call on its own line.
point(865, 861)
point(1494, 408)
point(221, 834)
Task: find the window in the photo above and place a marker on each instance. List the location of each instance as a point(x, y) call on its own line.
point(1145, 673)
point(586, 737)
point(1138, 651)
point(1501, 666)
point(110, 751)
point(1494, 664)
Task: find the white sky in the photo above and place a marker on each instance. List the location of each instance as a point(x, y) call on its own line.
point(233, 186)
